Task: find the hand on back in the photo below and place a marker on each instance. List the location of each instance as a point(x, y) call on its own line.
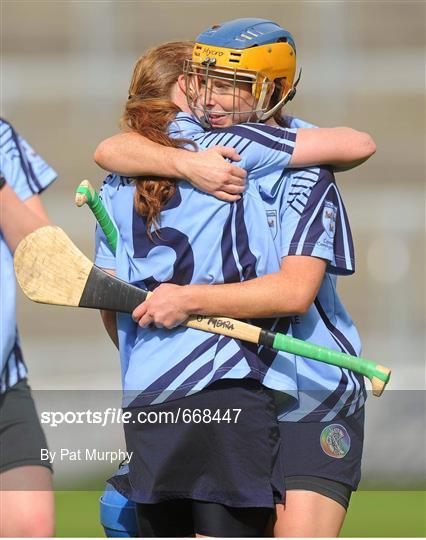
point(211, 172)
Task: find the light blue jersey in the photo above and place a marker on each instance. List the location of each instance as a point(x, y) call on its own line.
point(201, 240)
point(306, 216)
point(327, 319)
point(27, 174)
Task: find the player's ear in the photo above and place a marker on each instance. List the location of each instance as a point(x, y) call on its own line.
point(181, 83)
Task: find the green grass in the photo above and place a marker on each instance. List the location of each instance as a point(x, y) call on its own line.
point(77, 514)
point(371, 514)
point(386, 513)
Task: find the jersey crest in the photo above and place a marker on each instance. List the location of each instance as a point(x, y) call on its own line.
point(272, 222)
point(329, 215)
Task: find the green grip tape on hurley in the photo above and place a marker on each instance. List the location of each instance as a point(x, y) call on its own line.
point(98, 209)
point(322, 354)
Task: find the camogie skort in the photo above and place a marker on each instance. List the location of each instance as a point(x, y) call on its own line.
point(232, 459)
point(324, 457)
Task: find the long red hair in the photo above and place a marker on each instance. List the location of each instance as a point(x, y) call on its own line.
point(149, 111)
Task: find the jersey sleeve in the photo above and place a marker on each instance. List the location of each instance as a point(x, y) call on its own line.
point(104, 255)
point(26, 172)
point(293, 122)
point(263, 148)
point(314, 221)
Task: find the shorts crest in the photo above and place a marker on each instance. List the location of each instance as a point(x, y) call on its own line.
point(335, 441)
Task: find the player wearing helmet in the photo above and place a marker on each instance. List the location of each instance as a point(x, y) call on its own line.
point(325, 518)
point(182, 477)
point(251, 63)
point(342, 148)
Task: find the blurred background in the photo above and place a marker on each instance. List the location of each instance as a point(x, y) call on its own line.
point(65, 70)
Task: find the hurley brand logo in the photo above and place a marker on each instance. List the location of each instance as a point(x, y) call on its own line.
point(218, 323)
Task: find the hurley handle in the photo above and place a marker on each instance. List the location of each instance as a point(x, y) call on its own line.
point(378, 374)
point(86, 194)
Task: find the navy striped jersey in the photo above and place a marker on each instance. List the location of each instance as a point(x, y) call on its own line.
point(200, 240)
point(306, 216)
point(28, 174)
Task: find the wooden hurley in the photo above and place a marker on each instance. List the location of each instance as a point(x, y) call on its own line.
point(50, 269)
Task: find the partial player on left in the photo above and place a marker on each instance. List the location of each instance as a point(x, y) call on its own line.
point(26, 502)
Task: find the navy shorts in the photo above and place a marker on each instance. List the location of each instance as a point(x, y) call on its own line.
point(21, 436)
point(330, 451)
point(235, 461)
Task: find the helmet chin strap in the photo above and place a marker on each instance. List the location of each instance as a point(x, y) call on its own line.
point(292, 92)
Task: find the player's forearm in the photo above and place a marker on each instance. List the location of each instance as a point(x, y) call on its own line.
point(109, 318)
point(336, 167)
point(354, 148)
point(341, 147)
point(266, 296)
point(290, 291)
point(131, 154)
point(16, 219)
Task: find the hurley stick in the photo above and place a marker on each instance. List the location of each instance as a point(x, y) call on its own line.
point(378, 374)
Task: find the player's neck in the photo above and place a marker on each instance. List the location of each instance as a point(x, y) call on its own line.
point(271, 122)
point(179, 98)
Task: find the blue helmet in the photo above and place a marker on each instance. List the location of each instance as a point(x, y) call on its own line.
point(245, 33)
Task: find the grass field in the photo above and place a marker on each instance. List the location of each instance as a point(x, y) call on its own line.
point(371, 514)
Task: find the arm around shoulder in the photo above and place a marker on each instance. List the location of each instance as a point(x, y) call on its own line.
point(132, 154)
point(340, 147)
